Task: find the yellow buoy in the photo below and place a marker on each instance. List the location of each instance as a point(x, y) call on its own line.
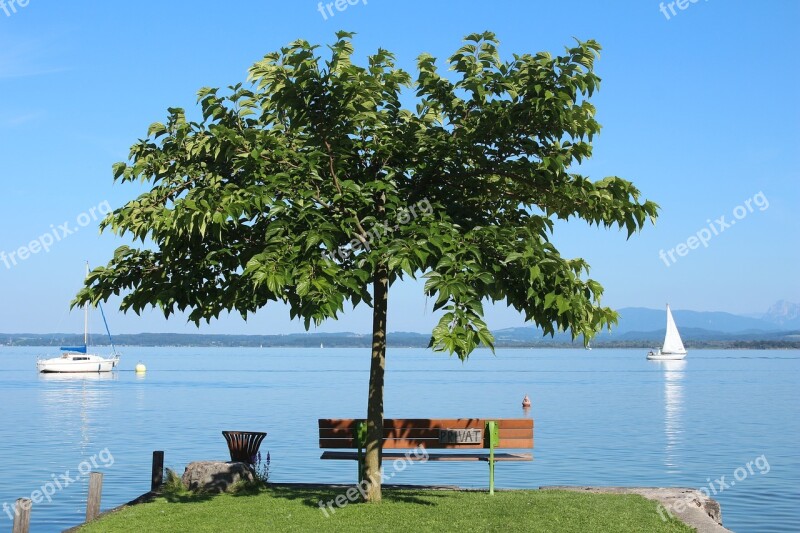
point(140, 368)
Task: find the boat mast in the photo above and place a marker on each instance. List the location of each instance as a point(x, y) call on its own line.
point(86, 315)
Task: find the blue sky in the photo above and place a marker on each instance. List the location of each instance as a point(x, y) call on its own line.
point(699, 110)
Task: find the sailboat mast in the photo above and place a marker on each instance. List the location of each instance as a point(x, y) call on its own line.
point(86, 315)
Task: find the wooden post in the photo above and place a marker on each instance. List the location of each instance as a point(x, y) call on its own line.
point(93, 501)
point(22, 516)
point(157, 475)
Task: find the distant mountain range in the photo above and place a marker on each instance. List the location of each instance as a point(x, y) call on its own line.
point(785, 314)
point(779, 327)
point(642, 326)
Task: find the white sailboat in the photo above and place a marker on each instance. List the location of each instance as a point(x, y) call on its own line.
point(75, 358)
point(673, 345)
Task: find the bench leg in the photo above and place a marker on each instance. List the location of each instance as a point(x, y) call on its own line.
point(360, 464)
point(361, 439)
point(494, 439)
point(491, 472)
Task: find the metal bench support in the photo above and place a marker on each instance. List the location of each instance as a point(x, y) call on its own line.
point(361, 442)
point(494, 440)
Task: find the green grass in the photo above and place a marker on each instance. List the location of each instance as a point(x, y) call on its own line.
point(297, 509)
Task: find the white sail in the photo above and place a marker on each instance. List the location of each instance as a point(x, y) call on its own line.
point(673, 346)
point(672, 339)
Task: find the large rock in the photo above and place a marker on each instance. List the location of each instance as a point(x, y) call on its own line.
point(215, 476)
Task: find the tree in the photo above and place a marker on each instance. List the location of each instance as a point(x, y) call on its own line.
point(313, 183)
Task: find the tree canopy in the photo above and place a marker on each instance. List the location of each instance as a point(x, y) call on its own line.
point(313, 185)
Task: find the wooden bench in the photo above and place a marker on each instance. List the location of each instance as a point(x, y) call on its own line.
point(471, 438)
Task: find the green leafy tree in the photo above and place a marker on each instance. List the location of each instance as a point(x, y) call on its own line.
point(313, 184)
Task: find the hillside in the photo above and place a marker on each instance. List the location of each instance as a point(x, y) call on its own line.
point(639, 327)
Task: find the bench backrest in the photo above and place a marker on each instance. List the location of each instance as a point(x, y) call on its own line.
point(409, 433)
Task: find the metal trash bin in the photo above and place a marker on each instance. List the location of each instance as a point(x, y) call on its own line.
point(244, 445)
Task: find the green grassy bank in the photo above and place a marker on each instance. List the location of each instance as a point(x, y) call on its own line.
point(298, 509)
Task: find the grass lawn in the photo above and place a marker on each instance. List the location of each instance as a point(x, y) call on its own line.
point(297, 509)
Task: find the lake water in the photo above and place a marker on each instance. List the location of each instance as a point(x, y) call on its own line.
point(602, 417)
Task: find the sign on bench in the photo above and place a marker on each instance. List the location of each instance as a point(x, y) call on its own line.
point(460, 436)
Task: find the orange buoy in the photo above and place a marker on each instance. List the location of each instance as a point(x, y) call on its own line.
point(526, 402)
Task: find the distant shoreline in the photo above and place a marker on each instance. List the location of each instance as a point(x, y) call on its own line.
point(350, 340)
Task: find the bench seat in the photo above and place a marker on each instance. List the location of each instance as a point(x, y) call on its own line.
point(353, 456)
point(466, 439)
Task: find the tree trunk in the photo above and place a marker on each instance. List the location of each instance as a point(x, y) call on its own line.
point(377, 367)
point(372, 460)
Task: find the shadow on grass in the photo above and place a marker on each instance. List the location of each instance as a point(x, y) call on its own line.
point(413, 496)
point(311, 496)
point(188, 497)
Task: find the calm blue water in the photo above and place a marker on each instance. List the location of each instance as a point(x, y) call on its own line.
point(602, 417)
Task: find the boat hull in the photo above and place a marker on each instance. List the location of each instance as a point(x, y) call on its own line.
point(660, 356)
point(84, 364)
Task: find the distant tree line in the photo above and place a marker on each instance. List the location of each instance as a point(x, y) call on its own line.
point(353, 340)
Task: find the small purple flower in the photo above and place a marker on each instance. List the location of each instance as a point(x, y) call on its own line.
point(267, 457)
